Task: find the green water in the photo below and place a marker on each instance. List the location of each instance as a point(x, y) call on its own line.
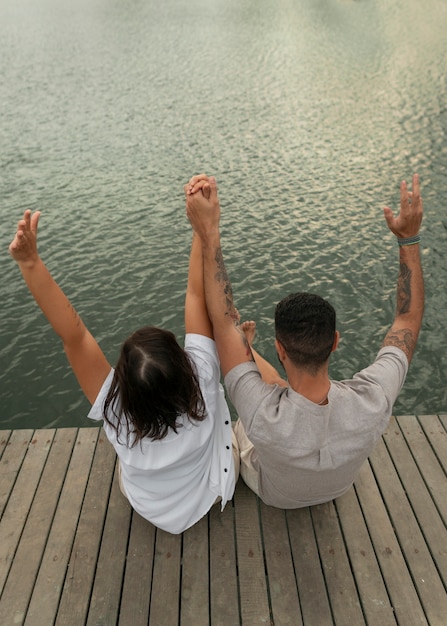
point(308, 112)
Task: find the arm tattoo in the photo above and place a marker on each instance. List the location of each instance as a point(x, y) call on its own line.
point(403, 289)
point(222, 277)
point(403, 339)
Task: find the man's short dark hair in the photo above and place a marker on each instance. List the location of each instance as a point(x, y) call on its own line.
point(305, 326)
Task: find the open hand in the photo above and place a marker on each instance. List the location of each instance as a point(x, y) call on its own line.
point(408, 222)
point(23, 247)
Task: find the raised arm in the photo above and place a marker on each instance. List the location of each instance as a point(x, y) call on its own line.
point(196, 313)
point(410, 283)
point(86, 358)
point(204, 215)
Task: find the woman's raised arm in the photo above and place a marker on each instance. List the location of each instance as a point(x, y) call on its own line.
point(86, 358)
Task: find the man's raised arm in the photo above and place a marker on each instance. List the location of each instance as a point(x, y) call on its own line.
point(410, 283)
point(203, 211)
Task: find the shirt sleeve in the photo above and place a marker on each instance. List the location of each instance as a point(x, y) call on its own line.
point(202, 350)
point(248, 392)
point(96, 412)
point(389, 371)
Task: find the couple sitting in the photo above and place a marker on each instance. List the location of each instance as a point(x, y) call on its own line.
point(297, 442)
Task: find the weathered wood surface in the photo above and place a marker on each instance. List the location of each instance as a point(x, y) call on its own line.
point(73, 552)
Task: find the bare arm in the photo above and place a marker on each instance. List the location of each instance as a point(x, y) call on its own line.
point(196, 313)
point(407, 322)
point(204, 215)
point(269, 374)
point(86, 358)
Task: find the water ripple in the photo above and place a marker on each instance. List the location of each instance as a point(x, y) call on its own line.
point(308, 113)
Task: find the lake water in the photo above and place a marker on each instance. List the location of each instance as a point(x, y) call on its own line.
point(309, 113)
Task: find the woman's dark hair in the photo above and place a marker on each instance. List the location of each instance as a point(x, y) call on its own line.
point(153, 384)
point(305, 326)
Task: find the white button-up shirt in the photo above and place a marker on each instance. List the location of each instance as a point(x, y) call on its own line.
point(173, 482)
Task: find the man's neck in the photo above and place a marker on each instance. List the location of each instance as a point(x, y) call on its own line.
point(314, 388)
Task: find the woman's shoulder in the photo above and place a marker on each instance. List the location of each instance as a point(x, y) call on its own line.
point(203, 353)
point(201, 346)
point(96, 412)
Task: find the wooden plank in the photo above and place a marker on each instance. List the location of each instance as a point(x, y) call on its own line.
point(195, 584)
point(50, 579)
point(399, 584)
point(81, 567)
point(443, 420)
point(16, 511)
point(23, 572)
point(418, 558)
point(106, 593)
point(381, 536)
point(313, 596)
point(251, 568)
point(16, 447)
point(224, 600)
point(343, 597)
point(371, 588)
point(429, 467)
point(136, 594)
point(424, 508)
point(4, 440)
point(165, 596)
point(436, 433)
point(281, 575)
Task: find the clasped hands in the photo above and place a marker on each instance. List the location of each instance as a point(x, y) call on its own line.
point(202, 205)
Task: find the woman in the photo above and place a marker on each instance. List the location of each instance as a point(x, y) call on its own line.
point(163, 407)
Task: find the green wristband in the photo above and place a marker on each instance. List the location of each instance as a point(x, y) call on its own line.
point(409, 241)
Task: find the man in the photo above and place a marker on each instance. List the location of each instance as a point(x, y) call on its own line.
point(303, 442)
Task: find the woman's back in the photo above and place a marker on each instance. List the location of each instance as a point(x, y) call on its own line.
point(175, 480)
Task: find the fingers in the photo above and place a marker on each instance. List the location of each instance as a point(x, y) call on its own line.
point(202, 186)
point(34, 221)
point(19, 242)
point(191, 189)
point(26, 230)
point(206, 190)
point(197, 178)
point(195, 184)
point(22, 222)
point(198, 182)
point(25, 222)
point(408, 221)
point(411, 210)
point(388, 215)
point(213, 187)
point(410, 197)
point(415, 186)
point(416, 196)
point(403, 195)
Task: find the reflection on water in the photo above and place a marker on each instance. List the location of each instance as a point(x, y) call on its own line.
point(309, 114)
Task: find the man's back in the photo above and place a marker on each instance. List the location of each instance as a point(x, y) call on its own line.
point(306, 453)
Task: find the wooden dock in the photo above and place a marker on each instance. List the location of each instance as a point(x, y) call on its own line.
point(72, 552)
